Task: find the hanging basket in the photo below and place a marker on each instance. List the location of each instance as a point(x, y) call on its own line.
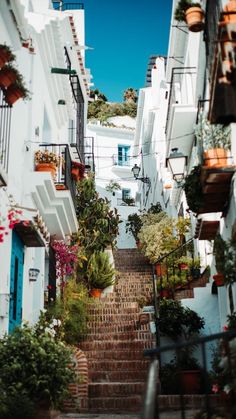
point(219, 280)
point(4, 57)
point(75, 173)
point(195, 19)
point(7, 77)
point(12, 94)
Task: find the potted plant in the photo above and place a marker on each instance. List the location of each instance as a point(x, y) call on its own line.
point(8, 75)
point(77, 170)
point(133, 225)
point(6, 55)
point(190, 13)
point(37, 377)
point(16, 91)
point(181, 323)
point(112, 187)
point(193, 189)
point(216, 141)
point(100, 273)
point(46, 161)
point(225, 260)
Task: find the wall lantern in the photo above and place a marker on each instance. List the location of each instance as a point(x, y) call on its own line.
point(176, 163)
point(33, 274)
point(136, 170)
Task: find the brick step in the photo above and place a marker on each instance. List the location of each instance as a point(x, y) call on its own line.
point(167, 402)
point(119, 404)
point(133, 298)
point(109, 307)
point(122, 365)
point(132, 269)
point(132, 336)
point(114, 318)
point(123, 376)
point(117, 328)
point(116, 389)
point(115, 345)
point(117, 355)
point(180, 295)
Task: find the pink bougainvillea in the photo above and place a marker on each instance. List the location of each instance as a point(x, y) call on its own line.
point(66, 258)
point(9, 221)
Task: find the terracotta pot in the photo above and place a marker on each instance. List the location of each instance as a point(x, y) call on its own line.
point(95, 292)
point(229, 7)
point(61, 187)
point(165, 294)
point(215, 157)
point(12, 94)
point(195, 19)
point(4, 57)
point(183, 266)
point(190, 381)
point(46, 167)
point(75, 173)
point(219, 280)
point(7, 77)
point(160, 269)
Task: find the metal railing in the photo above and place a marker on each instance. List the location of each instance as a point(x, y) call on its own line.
point(63, 174)
point(213, 9)
point(5, 128)
point(121, 161)
point(63, 5)
point(223, 344)
point(178, 76)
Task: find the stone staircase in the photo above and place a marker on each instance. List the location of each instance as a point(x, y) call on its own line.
point(114, 346)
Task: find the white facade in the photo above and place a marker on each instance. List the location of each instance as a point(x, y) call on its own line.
point(167, 114)
point(39, 120)
point(114, 159)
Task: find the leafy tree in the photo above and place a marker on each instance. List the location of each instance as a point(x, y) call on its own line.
point(130, 95)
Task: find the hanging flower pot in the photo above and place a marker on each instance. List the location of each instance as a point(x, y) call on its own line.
point(195, 19)
point(75, 173)
point(219, 279)
point(7, 76)
point(5, 55)
point(165, 294)
point(12, 94)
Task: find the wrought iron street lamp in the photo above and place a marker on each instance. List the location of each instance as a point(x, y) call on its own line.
point(176, 163)
point(136, 170)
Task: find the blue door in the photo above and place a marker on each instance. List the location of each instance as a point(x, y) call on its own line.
point(16, 282)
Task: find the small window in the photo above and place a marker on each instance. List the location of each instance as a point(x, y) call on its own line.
point(126, 194)
point(123, 155)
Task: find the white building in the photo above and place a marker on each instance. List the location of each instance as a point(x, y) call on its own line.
point(46, 44)
point(194, 80)
point(114, 158)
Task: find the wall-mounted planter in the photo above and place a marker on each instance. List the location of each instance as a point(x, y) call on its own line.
point(219, 279)
point(195, 19)
point(7, 77)
point(215, 157)
point(46, 167)
point(12, 94)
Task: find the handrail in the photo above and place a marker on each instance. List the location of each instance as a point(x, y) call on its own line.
point(149, 406)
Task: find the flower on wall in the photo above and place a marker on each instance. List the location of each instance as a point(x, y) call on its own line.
point(66, 258)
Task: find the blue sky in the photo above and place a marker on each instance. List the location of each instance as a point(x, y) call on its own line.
point(124, 33)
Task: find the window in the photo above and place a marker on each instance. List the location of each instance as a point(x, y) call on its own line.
point(123, 155)
point(125, 194)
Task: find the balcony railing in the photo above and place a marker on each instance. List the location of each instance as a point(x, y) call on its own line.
point(64, 5)
point(181, 88)
point(5, 126)
point(63, 179)
point(121, 161)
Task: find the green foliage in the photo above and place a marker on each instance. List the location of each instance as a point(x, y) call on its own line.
point(96, 94)
point(181, 8)
point(72, 311)
point(35, 368)
point(100, 272)
point(193, 189)
point(98, 224)
point(102, 110)
point(8, 50)
point(130, 95)
point(177, 321)
point(225, 258)
point(135, 221)
point(212, 135)
point(113, 186)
